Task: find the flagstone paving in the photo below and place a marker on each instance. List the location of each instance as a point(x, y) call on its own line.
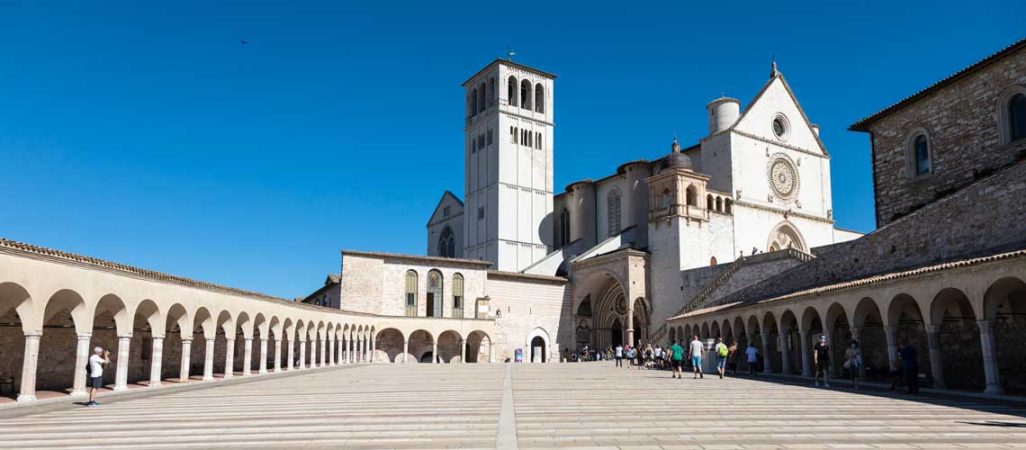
point(530, 406)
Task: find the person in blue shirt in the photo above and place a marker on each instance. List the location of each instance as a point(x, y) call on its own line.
point(909, 356)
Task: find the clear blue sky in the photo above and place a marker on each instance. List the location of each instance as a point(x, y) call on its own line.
point(145, 133)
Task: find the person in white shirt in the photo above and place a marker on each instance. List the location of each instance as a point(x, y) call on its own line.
point(753, 358)
point(96, 365)
point(695, 351)
point(619, 356)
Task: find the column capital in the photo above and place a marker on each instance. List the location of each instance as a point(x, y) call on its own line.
point(247, 339)
point(985, 325)
point(230, 339)
point(33, 334)
point(85, 336)
point(186, 340)
point(124, 336)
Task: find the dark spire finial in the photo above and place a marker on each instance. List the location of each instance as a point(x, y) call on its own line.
point(675, 147)
point(773, 67)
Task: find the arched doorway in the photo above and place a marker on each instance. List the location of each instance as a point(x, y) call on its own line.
point(1005, 307)
point(616, 333)
point(785, 236)
point(435, 300)
point(538, 349)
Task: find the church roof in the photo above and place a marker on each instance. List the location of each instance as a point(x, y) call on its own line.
point(774, 74)
point(511, 64)
point(863, 125)
point(434, 212)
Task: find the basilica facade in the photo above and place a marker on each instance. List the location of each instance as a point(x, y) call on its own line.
point(637, 244)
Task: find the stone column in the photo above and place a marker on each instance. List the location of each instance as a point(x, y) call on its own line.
point(247, 356)
point(491, 352)
point(434, 352)
point(186, 356)
point(936, 366)
point(324, 352)
point(121, 376)
point(263, 355)
point(767, 364)
point(406, 349)
point(463, 351)
point(331, 352)
point(208, 360)
point(29, 366)
point(229, 358)
point(990, 363)
point(302, 353)
point(857, 337)
point(349, 356)
point(78, 388)
point(806, 351)
point(891, 334)
point(785, 354)
point(313, 353)
point(277, 355)
point(291, 356)
point(372, 347)
point(156, 360)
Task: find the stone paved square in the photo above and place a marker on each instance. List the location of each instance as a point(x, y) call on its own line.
point(585, 405)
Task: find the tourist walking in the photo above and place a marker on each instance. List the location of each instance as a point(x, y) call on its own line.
point(631, 353)
point(910, 366)
point(97, 362)
point(853, 362)
point(677, 359)
point(695, 353)
point(752, 356)
point(821, 359)
point(896, 375)
point(618, 352)
point(721, 352)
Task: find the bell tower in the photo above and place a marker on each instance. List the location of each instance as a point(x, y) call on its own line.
point(508, 160)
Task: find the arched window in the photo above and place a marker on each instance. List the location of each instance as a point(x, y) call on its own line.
point(1017, 117)
point(691, 196)
point(411, 293)
point(434, 294)
point(491, 91)
point(511, 91)
point(726, 205)
point(613, 211)
point(664, 201)
point(447, 243)
point(482, 98)
point(539, 98)
point(709, 202)
point(525, 94)
point(919, 154)
point(719, 204)
point(564, 227)
point(538, 141)
point(473, 102)
point(457, 296)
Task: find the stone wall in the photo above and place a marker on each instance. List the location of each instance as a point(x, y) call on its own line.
point(986, 217)
point(525, 307)
point(961, 121)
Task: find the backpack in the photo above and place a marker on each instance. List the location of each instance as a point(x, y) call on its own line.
point(722, 350)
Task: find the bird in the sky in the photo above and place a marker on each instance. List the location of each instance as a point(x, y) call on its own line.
point(243, 41)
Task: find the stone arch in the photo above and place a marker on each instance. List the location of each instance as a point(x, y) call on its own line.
point(812, 328)
point(727, 332)
point(479, 346)
point(904, 314)
point(1004, 306)
point(177, 324)
point(288, 346)
point(536, 337)
point(449, 346)
point(421, 346)
point(147, 324)
point(225, 330)
point(785, 235)
point(260, 349)
point(741, 340)
point(17, 310)
point(771, 345)
point(958, 338)
point(789, 329)
point(64, 314)
point(714, 331)
point(839, 334)
point(872, 339)
point(705, 331)
point(390, 342)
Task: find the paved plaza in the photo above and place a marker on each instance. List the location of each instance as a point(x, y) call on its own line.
point(530, 406)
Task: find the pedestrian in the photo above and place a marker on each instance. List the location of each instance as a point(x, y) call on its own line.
point(630, 356)
point(752, 356)
point(619, 355)
point(821, 359)
point(896, 372)
point(695, 353)
point(649, 356)
point(97, 362)
point(659, 357)
point(677, 359)
point(721, 352)
point(732, 358)
point(853, 362)
point(910, 366)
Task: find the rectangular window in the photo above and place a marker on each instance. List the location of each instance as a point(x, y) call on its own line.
point(489, 136)
point(481, 141)
point(446, 211)
point(480, 212)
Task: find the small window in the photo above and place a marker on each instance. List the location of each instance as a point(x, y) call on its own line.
point(481, 141)
point(1017, 117)
point(511, 91)
point(473, 145)
point(515, 132)
point(446, 211)
point(538, 141)
point(781, 127)
point(613, 212)
point(411, 293)
point(525, 94)
point(920, 155)
point(539, 98)
point(489, 136)
point(480, 212)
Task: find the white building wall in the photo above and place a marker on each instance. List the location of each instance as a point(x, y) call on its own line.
point(522, 308)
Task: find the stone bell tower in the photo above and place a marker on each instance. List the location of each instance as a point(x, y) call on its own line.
point(508, 184)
